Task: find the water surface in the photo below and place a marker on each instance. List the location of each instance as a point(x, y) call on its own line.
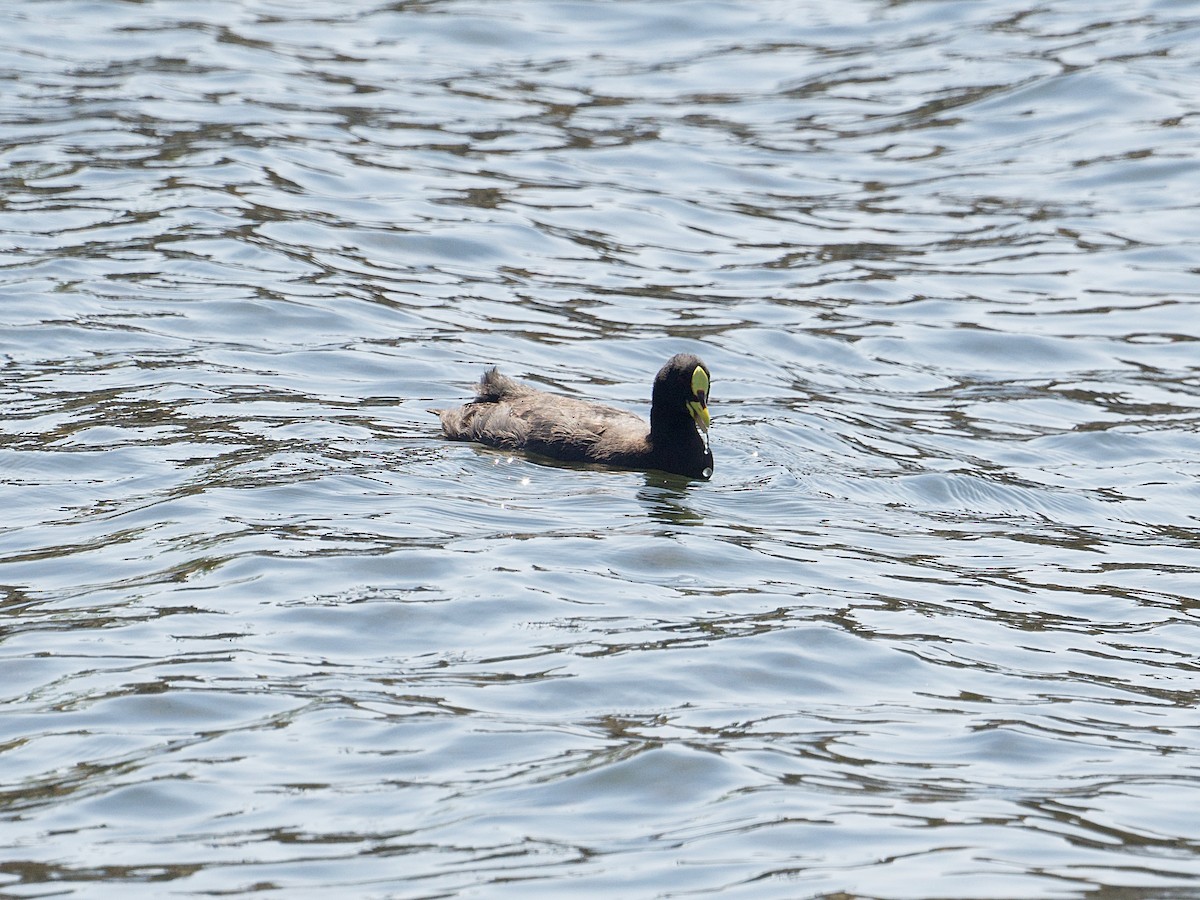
point(928, 632)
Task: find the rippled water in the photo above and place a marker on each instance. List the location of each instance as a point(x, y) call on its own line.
point(929, 631)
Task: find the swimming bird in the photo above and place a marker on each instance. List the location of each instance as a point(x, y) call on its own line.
point(515, 416)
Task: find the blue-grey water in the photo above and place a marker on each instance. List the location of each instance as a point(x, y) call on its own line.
point(930, 631)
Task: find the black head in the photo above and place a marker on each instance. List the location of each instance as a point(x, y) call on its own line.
point(679, 417)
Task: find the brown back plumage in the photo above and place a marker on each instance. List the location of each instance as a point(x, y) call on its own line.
point(515, 416)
